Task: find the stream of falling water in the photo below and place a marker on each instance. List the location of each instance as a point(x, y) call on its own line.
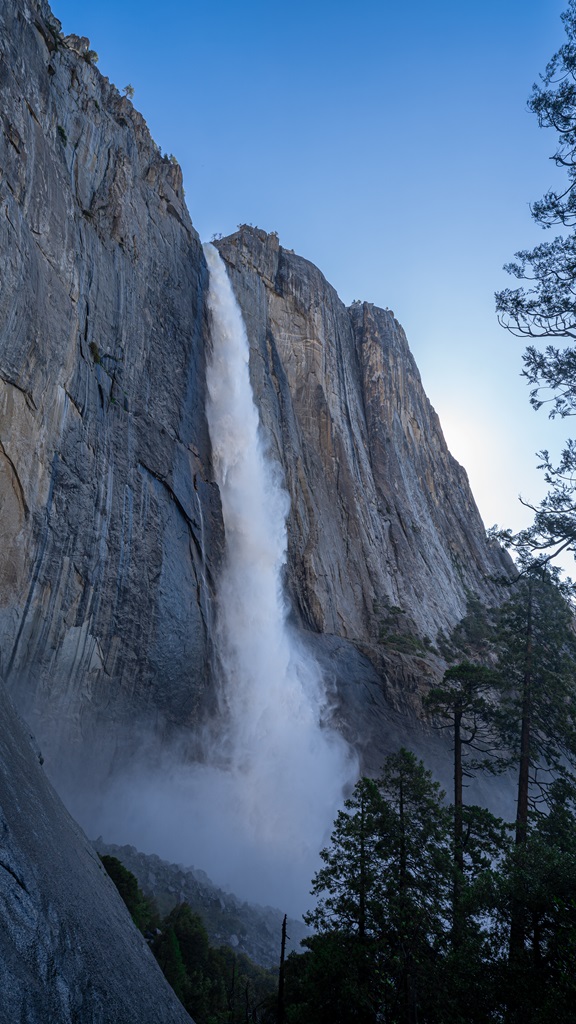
point(283, 771)
point(255, 814)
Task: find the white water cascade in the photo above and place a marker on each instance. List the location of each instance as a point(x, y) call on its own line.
point(256, 812)
point(282, 772)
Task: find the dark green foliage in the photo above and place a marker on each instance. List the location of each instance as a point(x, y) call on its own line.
point(463, 702)
point(351, 878)
point(143, 911)
point(472, 636)
point(217, 986)
point(446, 915)
point(548, 307)
point(404, 966)
point(382, 899)
point(169, 956)
point(336, 981)
point(473, 632)
point(384, 948)
point(539, 877)
point(536, 639)
point(396, 630)
point(62, 134)
point(406, 643)
point(537, 659)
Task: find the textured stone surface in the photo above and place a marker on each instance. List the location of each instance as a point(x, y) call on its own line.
point(69, 952)
point(112, 536)
point(112, 533)
point(385, 539)
point(105, 494)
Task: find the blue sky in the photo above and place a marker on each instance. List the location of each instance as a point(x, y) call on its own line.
point(389, 145)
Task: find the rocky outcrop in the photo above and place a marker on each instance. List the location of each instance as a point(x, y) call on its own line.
point(69, 952)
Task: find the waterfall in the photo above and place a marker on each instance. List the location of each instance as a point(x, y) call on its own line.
point(281, 770)
point(256, 811)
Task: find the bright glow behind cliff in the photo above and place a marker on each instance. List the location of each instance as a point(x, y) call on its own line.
point(277, 776)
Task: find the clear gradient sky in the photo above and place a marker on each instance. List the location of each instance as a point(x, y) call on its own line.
point(388, 143)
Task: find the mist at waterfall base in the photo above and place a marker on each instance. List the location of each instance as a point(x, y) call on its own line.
point(255, 815)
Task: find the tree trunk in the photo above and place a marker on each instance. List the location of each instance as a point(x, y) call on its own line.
point(517, 939)
point(458, 830)
point(281, 1015)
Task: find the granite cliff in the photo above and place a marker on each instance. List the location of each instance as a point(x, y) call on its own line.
point(105, 466)
point(68, 949)
point(112, 526)
point(385, 540)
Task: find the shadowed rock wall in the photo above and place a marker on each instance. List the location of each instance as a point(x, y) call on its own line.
point(69, 952)
point(111, 524)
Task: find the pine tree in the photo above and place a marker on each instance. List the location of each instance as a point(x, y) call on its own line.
point(537, 662)
point(143, 911)
point(548, 308)
point(350, 891)
point(383, 896)
point(417, 855)
point(464, 704)
point(349, 886)
point(539, 876)
point(537, 659)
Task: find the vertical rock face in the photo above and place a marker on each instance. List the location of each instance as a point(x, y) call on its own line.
point(385, 538)
point(107, 508)
point(112, 532)
point(69, 951)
